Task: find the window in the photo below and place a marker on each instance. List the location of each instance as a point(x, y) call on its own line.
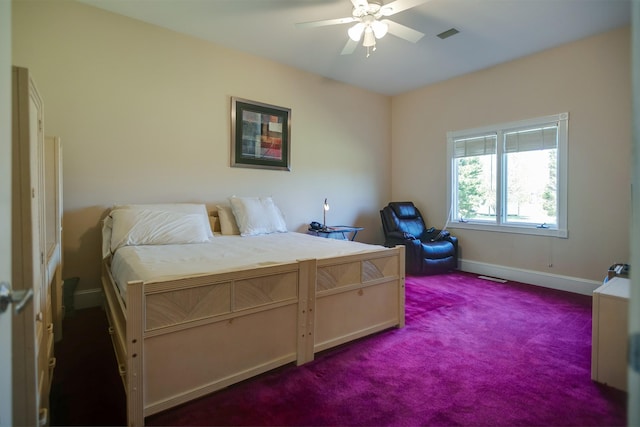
point(510, 177)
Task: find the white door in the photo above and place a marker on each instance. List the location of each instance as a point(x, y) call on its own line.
point(6, 417)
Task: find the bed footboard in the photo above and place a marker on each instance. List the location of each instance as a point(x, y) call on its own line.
point(182, 339)
point(357, 296)
point(187, 338)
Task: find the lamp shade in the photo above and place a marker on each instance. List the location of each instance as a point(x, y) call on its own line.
point(355, 32)
point(379, 29)
point(325, 208)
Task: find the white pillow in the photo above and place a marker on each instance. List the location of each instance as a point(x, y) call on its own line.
point(133, 227)
point(193, 208)
point(228, 224)
point(257, 215)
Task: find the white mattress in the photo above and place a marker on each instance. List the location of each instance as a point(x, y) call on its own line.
point(160, 263)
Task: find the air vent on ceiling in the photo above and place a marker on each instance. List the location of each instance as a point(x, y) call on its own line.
point(446, 34)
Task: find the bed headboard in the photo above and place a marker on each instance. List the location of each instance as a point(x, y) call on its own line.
point(214, 221)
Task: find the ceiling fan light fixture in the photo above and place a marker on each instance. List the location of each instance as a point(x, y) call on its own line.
point(355, 32)
point(369, 38)
point(369, 22)
point(379, 29)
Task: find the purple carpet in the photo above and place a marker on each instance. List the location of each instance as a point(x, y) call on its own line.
point(473, 353)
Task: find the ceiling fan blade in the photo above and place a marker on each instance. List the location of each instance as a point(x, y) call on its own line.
point(399, 5)
point(349, 47)
point(325, 22)
point(403, 32)
point(360, 3)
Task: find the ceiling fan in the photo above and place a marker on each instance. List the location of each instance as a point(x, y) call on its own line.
point(369, 23)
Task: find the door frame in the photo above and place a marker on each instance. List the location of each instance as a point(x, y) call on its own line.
point(6, 402)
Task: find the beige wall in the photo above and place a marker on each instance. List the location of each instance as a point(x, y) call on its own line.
point(143, 114)
point(590, 79)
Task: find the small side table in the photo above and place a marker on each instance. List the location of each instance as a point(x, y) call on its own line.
point(609, 350)
point(339, 232)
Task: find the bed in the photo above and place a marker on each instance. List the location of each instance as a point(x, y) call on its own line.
point(204, 309)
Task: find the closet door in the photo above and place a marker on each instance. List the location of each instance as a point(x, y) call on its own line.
point(30, 331)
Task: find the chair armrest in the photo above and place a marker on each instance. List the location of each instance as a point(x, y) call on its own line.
point(430, 234)
point(413, 246)
point(453, 240)
point(400, 235)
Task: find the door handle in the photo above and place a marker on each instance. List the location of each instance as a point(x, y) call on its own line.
point(19, 298)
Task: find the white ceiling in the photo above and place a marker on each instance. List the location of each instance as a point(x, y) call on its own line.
point(491, 32)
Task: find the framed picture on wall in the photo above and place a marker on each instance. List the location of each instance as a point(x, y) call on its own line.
point(260, 135)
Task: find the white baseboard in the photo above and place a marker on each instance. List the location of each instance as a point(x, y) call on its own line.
point(554, 281)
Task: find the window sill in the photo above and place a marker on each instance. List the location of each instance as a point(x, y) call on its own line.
point(530, 230)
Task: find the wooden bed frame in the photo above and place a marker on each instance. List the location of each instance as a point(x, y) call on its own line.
point(178, 340)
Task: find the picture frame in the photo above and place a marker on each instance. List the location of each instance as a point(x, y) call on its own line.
point(260, 135)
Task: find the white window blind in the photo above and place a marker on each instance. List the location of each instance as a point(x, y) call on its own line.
point(475, 146)
point(542, 138)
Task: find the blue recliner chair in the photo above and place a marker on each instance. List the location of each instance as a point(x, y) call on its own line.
point(428, 251)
